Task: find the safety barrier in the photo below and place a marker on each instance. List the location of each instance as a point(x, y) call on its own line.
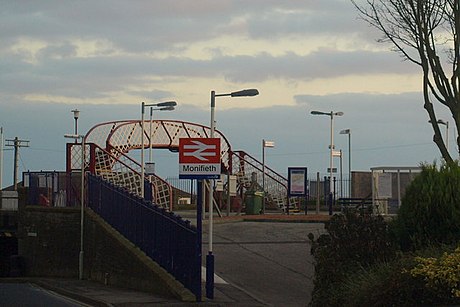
point(119, 169)
point(245, 166)
point(163, 236)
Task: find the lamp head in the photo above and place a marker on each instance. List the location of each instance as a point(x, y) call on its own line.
point(245, 93)
point(440, 121)
point(76, 113)
point(73, 136)
point(166, 104)
point(319, 113)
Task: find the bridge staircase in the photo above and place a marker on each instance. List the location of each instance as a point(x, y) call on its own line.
point(113, 140)
point(249, 172)
point(122, 171)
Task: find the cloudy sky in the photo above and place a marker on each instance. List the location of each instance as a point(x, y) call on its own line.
point(105, 57)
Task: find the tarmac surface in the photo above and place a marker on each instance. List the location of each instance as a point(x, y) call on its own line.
point(91, 293)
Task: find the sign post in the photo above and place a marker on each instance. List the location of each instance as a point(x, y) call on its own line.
point(199, 158)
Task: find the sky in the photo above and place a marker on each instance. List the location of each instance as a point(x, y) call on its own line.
point(106, 57)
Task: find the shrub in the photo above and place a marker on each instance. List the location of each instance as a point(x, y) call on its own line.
point(386, 284)
point(430, 210)
point(353, 241)
point(441, 275)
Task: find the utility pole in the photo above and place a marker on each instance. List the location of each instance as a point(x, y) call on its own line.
point(16, 143)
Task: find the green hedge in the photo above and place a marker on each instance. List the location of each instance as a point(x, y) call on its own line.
point(430, 210)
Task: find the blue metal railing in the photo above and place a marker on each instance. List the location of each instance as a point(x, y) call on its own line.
point(163, 236)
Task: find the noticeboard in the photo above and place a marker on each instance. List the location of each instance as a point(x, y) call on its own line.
point(297, 181)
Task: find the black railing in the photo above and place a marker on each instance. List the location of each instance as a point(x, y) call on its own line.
point(163, 236)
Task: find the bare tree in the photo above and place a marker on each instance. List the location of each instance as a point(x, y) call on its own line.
point(426, 33)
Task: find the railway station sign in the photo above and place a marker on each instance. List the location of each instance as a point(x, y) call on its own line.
point(199, 158)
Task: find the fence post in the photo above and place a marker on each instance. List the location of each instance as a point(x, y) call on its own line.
point(317, 192)
point(199, 230)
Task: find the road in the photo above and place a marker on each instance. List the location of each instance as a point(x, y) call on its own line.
point(271, 260)
point(25, 294)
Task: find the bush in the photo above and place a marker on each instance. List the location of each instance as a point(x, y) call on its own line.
point(442, 275)
point(430, 210)
point(386, 284)
point(353, 241)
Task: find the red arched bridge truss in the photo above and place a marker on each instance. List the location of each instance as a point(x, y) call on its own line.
point(108, 144)
point(123, 136)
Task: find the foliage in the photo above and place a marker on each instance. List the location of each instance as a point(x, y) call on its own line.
point(430, 210)
point(392, 283)
point(385, 284)
point(358, 263)
point(441, 275)
point(426, 33)
point(353, 241)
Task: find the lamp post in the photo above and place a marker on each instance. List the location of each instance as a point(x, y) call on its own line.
point(167, 108)
point(264, 144)
point(161, 106)
point(82, 200)
point(331, 150)
point(1, 158)
point(76, 114)
point(445, 123)
point(210, 256)
point(348, 131)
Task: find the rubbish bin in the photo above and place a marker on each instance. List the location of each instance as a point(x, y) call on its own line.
point(253, 202)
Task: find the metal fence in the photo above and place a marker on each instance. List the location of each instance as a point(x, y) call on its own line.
point(165, 237)
point(46, 188)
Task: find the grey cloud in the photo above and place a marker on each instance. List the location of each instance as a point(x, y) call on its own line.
point(331, 17)
point(154, 95)
point(63, 50)
point(144, 26)
point(92, 77)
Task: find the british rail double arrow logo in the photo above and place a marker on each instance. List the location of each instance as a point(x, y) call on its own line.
point(201, 150)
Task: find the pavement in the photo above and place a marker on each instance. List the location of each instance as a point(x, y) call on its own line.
point(92, 293)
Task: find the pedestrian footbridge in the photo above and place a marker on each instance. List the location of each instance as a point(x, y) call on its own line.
point(142, 211)
point(107, 146)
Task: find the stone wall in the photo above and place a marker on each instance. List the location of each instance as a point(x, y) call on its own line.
point(112, 259)
point(49, 240)
point(49, 243)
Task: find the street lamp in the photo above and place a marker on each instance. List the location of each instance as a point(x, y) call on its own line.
point(161, 106)
point(445, 123)
point(76, 114)
point(331, 150)
point(264, 144)
point(210, 256)
point(169, 108)
point(82, 199)
point(348, 131)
